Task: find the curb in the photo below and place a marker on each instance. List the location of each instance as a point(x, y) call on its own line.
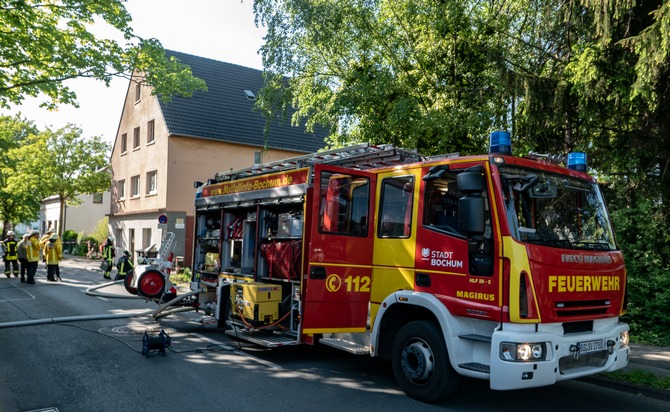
point(635, 388)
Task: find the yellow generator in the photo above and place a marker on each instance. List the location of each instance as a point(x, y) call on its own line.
point(257, 302)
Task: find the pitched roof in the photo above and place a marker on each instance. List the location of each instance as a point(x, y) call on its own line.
point(225, 113)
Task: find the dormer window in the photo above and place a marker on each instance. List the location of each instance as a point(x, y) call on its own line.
point(250, 95)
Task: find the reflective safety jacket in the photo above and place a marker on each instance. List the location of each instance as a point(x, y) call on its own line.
point(33, 250)
point(108, 252)
point(10, 249)
point(53, 252)
point(124, 266)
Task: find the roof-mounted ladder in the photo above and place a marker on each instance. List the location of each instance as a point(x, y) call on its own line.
point(363, 156)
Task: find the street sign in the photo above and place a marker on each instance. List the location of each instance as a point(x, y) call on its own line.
point(162, 219)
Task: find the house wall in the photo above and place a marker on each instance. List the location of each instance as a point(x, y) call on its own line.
point(86, 216)
point(193, 160)
point(49, 214)
point(138, 161)
point(178, 161)
point(83, 217)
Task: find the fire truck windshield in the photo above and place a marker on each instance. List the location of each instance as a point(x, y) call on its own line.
point(556, 211)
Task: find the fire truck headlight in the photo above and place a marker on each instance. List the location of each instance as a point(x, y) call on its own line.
point(523, 352)
point(623, 338)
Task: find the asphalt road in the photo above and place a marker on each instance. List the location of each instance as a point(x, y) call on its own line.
point(97, 365)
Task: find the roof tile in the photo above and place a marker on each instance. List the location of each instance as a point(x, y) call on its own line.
point(224, 112)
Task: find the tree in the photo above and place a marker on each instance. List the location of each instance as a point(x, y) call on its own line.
point(17, 203)
point(61, 163)
point(439, 75)
point(418, 73)
point(46, 43)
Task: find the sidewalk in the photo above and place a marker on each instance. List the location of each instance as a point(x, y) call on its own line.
point(654, 359)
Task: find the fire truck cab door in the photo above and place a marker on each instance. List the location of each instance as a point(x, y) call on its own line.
point(339, 275)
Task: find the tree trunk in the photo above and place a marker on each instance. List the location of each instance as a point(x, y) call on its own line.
point(61, 217)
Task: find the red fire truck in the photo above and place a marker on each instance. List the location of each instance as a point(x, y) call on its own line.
point(495, 267)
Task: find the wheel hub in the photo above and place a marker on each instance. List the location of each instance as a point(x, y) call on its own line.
point(417, 361)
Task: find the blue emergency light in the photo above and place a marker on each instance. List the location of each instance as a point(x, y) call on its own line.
point(500, 143)
point(577, 161)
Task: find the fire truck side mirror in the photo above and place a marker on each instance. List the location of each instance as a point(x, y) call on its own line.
point(471, 216)
point(471, 180)
point(471, 208)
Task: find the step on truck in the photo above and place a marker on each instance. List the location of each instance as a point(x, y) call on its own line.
point(495, 267)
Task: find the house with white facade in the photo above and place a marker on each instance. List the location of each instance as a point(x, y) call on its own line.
point(83, 217)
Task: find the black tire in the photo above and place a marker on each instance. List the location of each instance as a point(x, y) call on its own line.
point(421, 363)
point(226, 310)
point(151, 284)
point(128, 281)
point(225, 316)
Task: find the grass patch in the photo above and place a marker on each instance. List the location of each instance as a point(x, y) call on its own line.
point(640, 377)
point(183, 276)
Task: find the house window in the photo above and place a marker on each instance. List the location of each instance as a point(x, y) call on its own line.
point(250, 95)
point(138, 92)
point(136, 138)
point(97, 197)
point(135, 186)
point(258, 158)
point(121, 189)
point(124, 142)
point(146, 238)
point(150, 131)
point(151, 182)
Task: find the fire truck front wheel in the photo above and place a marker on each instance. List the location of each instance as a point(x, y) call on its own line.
point(421, 363)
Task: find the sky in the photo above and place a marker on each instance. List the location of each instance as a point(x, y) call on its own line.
point(223, 30)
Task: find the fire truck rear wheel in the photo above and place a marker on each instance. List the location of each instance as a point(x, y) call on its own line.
point(421, 363)
point(151, 284)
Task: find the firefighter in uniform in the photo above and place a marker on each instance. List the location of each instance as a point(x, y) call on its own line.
point(21, 252)
point(11, 255)
point(44, 239)
point(124, 266)
point(33, 255)
point(53, 254)
point(108, 254)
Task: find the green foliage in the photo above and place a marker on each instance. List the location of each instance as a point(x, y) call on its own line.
point(101, 231)
point(88, 246)
point(69, 239)
point(419, 74)
point(438, 76)
point(69, 236)
point(60, 163)
point(184, 276)
point(643, 233)
point(45, 44)
point(17, 203)
point(641, 377)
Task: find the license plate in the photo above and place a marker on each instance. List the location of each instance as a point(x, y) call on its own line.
point(591, 346)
